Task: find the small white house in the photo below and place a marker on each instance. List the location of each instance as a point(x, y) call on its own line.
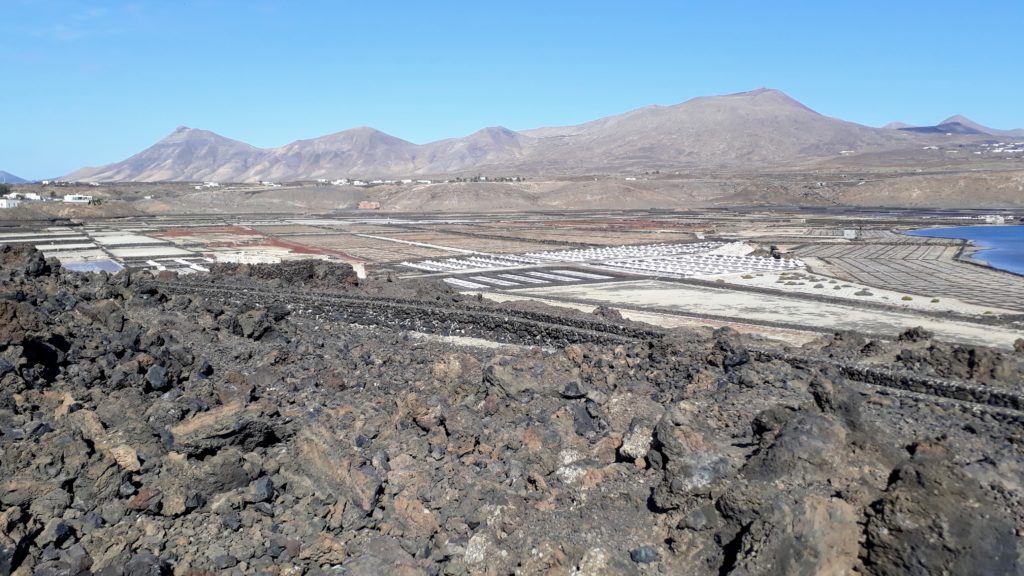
point(995, 219)
point(77, 198)
point(9, 203)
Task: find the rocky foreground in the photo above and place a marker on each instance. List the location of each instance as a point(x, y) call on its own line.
point(143, 433)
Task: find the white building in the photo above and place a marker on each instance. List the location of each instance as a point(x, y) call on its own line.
point(9, 203)
point(77, 198)
point(994, 219)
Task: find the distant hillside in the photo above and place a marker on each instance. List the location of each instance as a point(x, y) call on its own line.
point(959, 125)
point(945, 128)
point(185, 154)
point(8, 178)
point(359, 151)
point(761, 128)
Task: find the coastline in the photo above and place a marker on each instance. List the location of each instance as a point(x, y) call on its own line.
point(970, 249)
point(969, 253)
point(969, 259)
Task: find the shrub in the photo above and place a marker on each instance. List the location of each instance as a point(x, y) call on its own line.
point(907, 298)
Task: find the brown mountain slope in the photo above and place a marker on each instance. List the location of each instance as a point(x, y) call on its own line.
point(493, 146)
point(965, 121)
point(957, 124)
point(760, 128)
point(186, 154)
point(356, 152)
point(8, 178)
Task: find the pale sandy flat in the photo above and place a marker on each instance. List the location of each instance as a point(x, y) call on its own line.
point(796, 337)
point(63, 247)
point(78, 255)
point(855, 292)
point(125, 239)
point(745, 306)
point(467, 341)
point(149, 252)
point(37, 236)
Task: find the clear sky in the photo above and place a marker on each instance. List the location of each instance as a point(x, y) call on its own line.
point(92, 82)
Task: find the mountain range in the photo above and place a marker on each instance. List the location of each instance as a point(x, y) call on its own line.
point(8, 178)
point(760, 128)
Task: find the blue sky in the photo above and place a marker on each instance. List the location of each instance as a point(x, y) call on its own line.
point(92, 82)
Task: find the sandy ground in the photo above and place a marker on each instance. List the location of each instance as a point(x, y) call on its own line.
point(468, 341)
point(766, 308)
point(796, 337)
point(807, 283)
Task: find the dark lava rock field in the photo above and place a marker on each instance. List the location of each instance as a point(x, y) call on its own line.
point(146, 432)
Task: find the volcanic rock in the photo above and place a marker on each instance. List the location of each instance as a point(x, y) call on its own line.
point(921, 525)
point(156, 428)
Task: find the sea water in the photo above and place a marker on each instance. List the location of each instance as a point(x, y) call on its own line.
point(1003, 245)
